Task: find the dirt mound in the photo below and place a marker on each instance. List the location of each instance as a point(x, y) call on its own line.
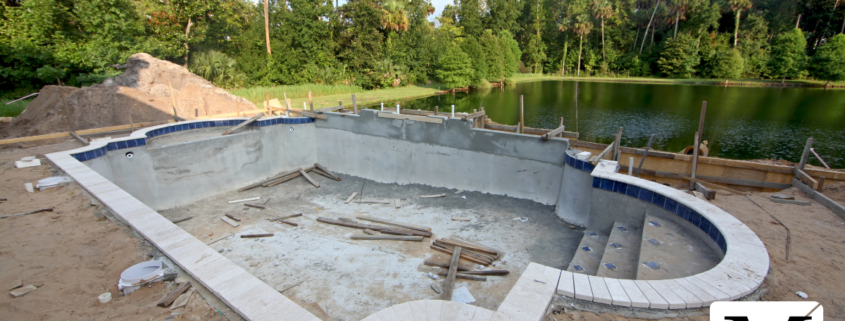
point(142, 91)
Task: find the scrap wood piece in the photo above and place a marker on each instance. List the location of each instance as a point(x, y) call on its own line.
point(182, 300)
point(16, 284)
point(433, 196)
point(351, 197)
point(242, 125)
point(220, 239)
point(446, 264)
point(307, 114)
point(327, 171)
point(19, 292)
point(281, 180)
point(553, 133)
point(399, 224)
point(482, 256)
point(473, 115)
point(318, 171)
point(471, 246)
point(795, 202)
point(27, 213)
point(461, 218)
point(397, 203)
point(244, 200)
point(370, 232)
point(463, 275)
point(254, 205)
point(386, 230)
point(181, 219)
point(489, 272)
point(806, 179)
point(233, 217)
point(388, 237)
point(79, 138)
point(172, 295)
point(311, 180)
point(250, 236)
point(450, 276)
point(374, 201)
point(463, 255)
point(273, 178)
point(288, 222)
point(284, 217)
point(230, 222)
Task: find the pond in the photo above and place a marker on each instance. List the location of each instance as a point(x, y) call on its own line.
point(740, 123)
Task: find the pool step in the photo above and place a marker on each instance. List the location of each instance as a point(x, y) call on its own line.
point(622, 253)
point(668, 250)
point(588, 256)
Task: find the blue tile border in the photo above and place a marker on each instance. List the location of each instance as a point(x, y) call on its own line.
point(577, 163)
point(663, 202)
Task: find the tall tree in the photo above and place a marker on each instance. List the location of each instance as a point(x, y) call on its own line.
point(535, 48)
point(679, 57)
point(602, 10)
point(493, 56)
point(361, 41)
point(469, 16)
point(737, 6)
point(455, 69)
point(503, 15)
point(473, 48)
point(788, 54)
point(829, 60)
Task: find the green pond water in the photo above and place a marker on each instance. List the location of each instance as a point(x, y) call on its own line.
point(741, 122)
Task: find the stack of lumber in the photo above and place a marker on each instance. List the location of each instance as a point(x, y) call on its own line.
point(289, 175)
point(471, 252)
point(398, 231)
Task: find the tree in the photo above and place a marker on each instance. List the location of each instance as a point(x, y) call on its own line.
point(725, 63)
point(829, 60)
point(455, 68)
point(582, 27)
point(472, 48)
point(679, 57)
point(788, 54)
point(535, 47)
point(469, 17)
point(737, 6)
point(493, 56)
point(602, 10)
point(503, 15)
point(510, 53)
point(361, 41)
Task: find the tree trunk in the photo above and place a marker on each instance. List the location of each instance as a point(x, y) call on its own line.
point(783, 81)
point(736, 28)
point(677, 17)
point(603, 55)
point(648, 26)
point(653, 31)
point(187, 49)
point(580, 45)
point(634, 47)
point(267, 25)
point(843, 27)
point(563, 64)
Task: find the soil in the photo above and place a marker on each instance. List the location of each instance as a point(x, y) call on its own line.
point(75, 253)
point(142, 92)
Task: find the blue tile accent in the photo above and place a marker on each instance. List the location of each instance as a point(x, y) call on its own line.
point(633, 191)
point(704, 225)
point(596, 182)
point(610, 266)
point(588, 167)
point(652, 265)
point(714, 234)
point(620, 187)
point(192, 125)
point(122, 145)
point(696, 218)
point(111, 146)
point(607, 184)
point(670, 205)
point(142, 142)
point(722, 244)
point(682, 211)
point(646, 195)
point(658, 200)
point(131, 143)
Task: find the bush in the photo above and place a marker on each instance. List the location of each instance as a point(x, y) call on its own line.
point(217, 68)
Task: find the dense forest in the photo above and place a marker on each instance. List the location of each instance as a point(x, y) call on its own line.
point(376, 44)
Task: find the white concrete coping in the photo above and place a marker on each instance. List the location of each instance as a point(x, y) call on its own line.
point(741, 271)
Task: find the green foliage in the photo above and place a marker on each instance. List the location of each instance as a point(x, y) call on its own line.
point(217, 68)
point(257, 94)
point(13, 109)
point(679, 57)
point(472, 48)
point(455, 69)
point(788, 54)
point(829, 60)
point(725, 64)
point(469, 16)
point(492, 54)
point(509, 56)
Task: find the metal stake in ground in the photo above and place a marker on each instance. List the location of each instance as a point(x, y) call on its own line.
point(521, 116)
point(807, 147)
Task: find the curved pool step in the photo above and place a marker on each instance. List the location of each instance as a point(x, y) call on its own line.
point(669, 251)
point(589, 253)
point(622, 253)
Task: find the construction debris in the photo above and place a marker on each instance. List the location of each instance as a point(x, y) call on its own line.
point(249, 236)
point(273, 178)
point(351, 197)
point(19, 292)
point(433, 196)
point(182, 300)
point(244, 124)
point(465, 276)
point(326, 172)
point(181, 219)
point(219, 239)
point(233, 217)
point(16, 284)
point(254, 206)
point(783, 197)
point(172, 295)
point(446, 264)
point(388, 237)
point(450, 276)
point(311, 180)
point(284, 217)
point(471, 252)
point(435, 288)
point(462, 295)
point(382, 229)
point(230, 222)
point(29, 161)
point(461, 218)
point(52, 182)
point(399, 224)
point(489, 272)
point(370, 232)
point(27, 213)
point(244, 200)
point(397, 203)
point(803, 203)
point(374, 201)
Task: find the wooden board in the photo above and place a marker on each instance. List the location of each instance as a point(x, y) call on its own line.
point(400, 224)
point(708, 193)
point(446, 264)
point(388, 237)
point(806, 179)
point(382, 229)
point(244, 124)
point(351, 197)
point(794, 202)
point(465, 276)
point(275, 177)
point(327, 171)
point(424, 119)
point(471, 246)
point(463, 256)
point(450, 278)
point(172, 295)
point(311, 180)
point(82, 132)
point(19, 292)
point(230, 222)
point(433, 196)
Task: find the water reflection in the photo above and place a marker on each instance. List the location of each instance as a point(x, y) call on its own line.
point(741, 123)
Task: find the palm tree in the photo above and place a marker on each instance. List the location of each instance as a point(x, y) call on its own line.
point(648, 26)
point(737, 6)
point(395, 17)
point(680, 8)
point(582, 27)
point(602, 9)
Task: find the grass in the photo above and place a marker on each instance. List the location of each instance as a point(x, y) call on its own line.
point(257, 94)
point(14, 109)
point(369, 98)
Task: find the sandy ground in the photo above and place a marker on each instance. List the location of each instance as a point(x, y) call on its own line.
point(77, 252)
point(72, 254)
point(352, 279)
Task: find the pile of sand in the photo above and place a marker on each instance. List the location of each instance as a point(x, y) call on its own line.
point(141, 91)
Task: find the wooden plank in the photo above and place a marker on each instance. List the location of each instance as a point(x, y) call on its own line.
point(529, 130)
point(820, 185)
point(232, 217)
point(713, 179)
point(282, 180)
point(399, 224)
point(80, 139)
point(478, 255)
point(806, 179)
point(250, 236)
point(80, 132)
point(465, 276)
point(387, 230)
point(461, 218)
point(327, 171)
point(27, 213)
point(450, 278)
point(284, 217)
point(219, 239)
point(645, 155)
point(708, 193)
point(806, 155)
point(288, 222)
point(490, 272)
point(311, 180)
point(370, 232)
point(307, 114)
point(473, 115)
point(425, 119)
point(470, 246)
point(551, 134)
point(254, 206)
point(595, 159)
point(695, 149)
point(832, 205)
point(388, 237)
point(794, 202)
point(244, 124)
point(464, 256)
point(446, 264)
point(181, 219)
point(172, 295)
point(433, 196)
point(230, 222)
point(19, 292)
point(374, 201)
point(351, 197)
point(618, 141)
point(318, 171)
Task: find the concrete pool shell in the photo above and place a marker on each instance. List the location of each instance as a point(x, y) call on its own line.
point(389, 148)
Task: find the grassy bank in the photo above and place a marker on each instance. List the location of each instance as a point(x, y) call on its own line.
point(364, 98)
point(12, 110)
point(257, 94)
point(690, 81)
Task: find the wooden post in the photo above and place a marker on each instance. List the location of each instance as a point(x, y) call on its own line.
point(521, 114)
point(340, 103)
point(354, 105)
point(287, 107)
point(131, 124)
point(645, 154)
point(436, 110)
point(449, 283)
point(310, 101)
point(475, 120)
point(483, 118)
point(559, 126)
point(196, 112)
point(806, 154)
point(821, 184)
point(698, 142)
point(616, 151)
point(172, 100)
point(267, 25)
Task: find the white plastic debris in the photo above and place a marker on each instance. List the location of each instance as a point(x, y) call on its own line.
point(277, 263)
point(139, 274)
point(462, 295)
point(28, 187)
point(802, 295)
point(104, 298)
point(29, 161)
point(521, 219)
point(244, 200)
point(433, 276)
point(480, 267)
point(464, 197)
point(583, 155)
point(52, 182)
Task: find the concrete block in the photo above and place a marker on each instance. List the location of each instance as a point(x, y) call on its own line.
point(638, 299)
point(466, 312)
point(565, 285)
point(705, 297)
point(675, 301)
point(600, 291)
point(617, 292)
point(403, 311)
point(482, 314)
point(582, 287)
point(655, 300)
point(433, 309)
point(419, 308)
